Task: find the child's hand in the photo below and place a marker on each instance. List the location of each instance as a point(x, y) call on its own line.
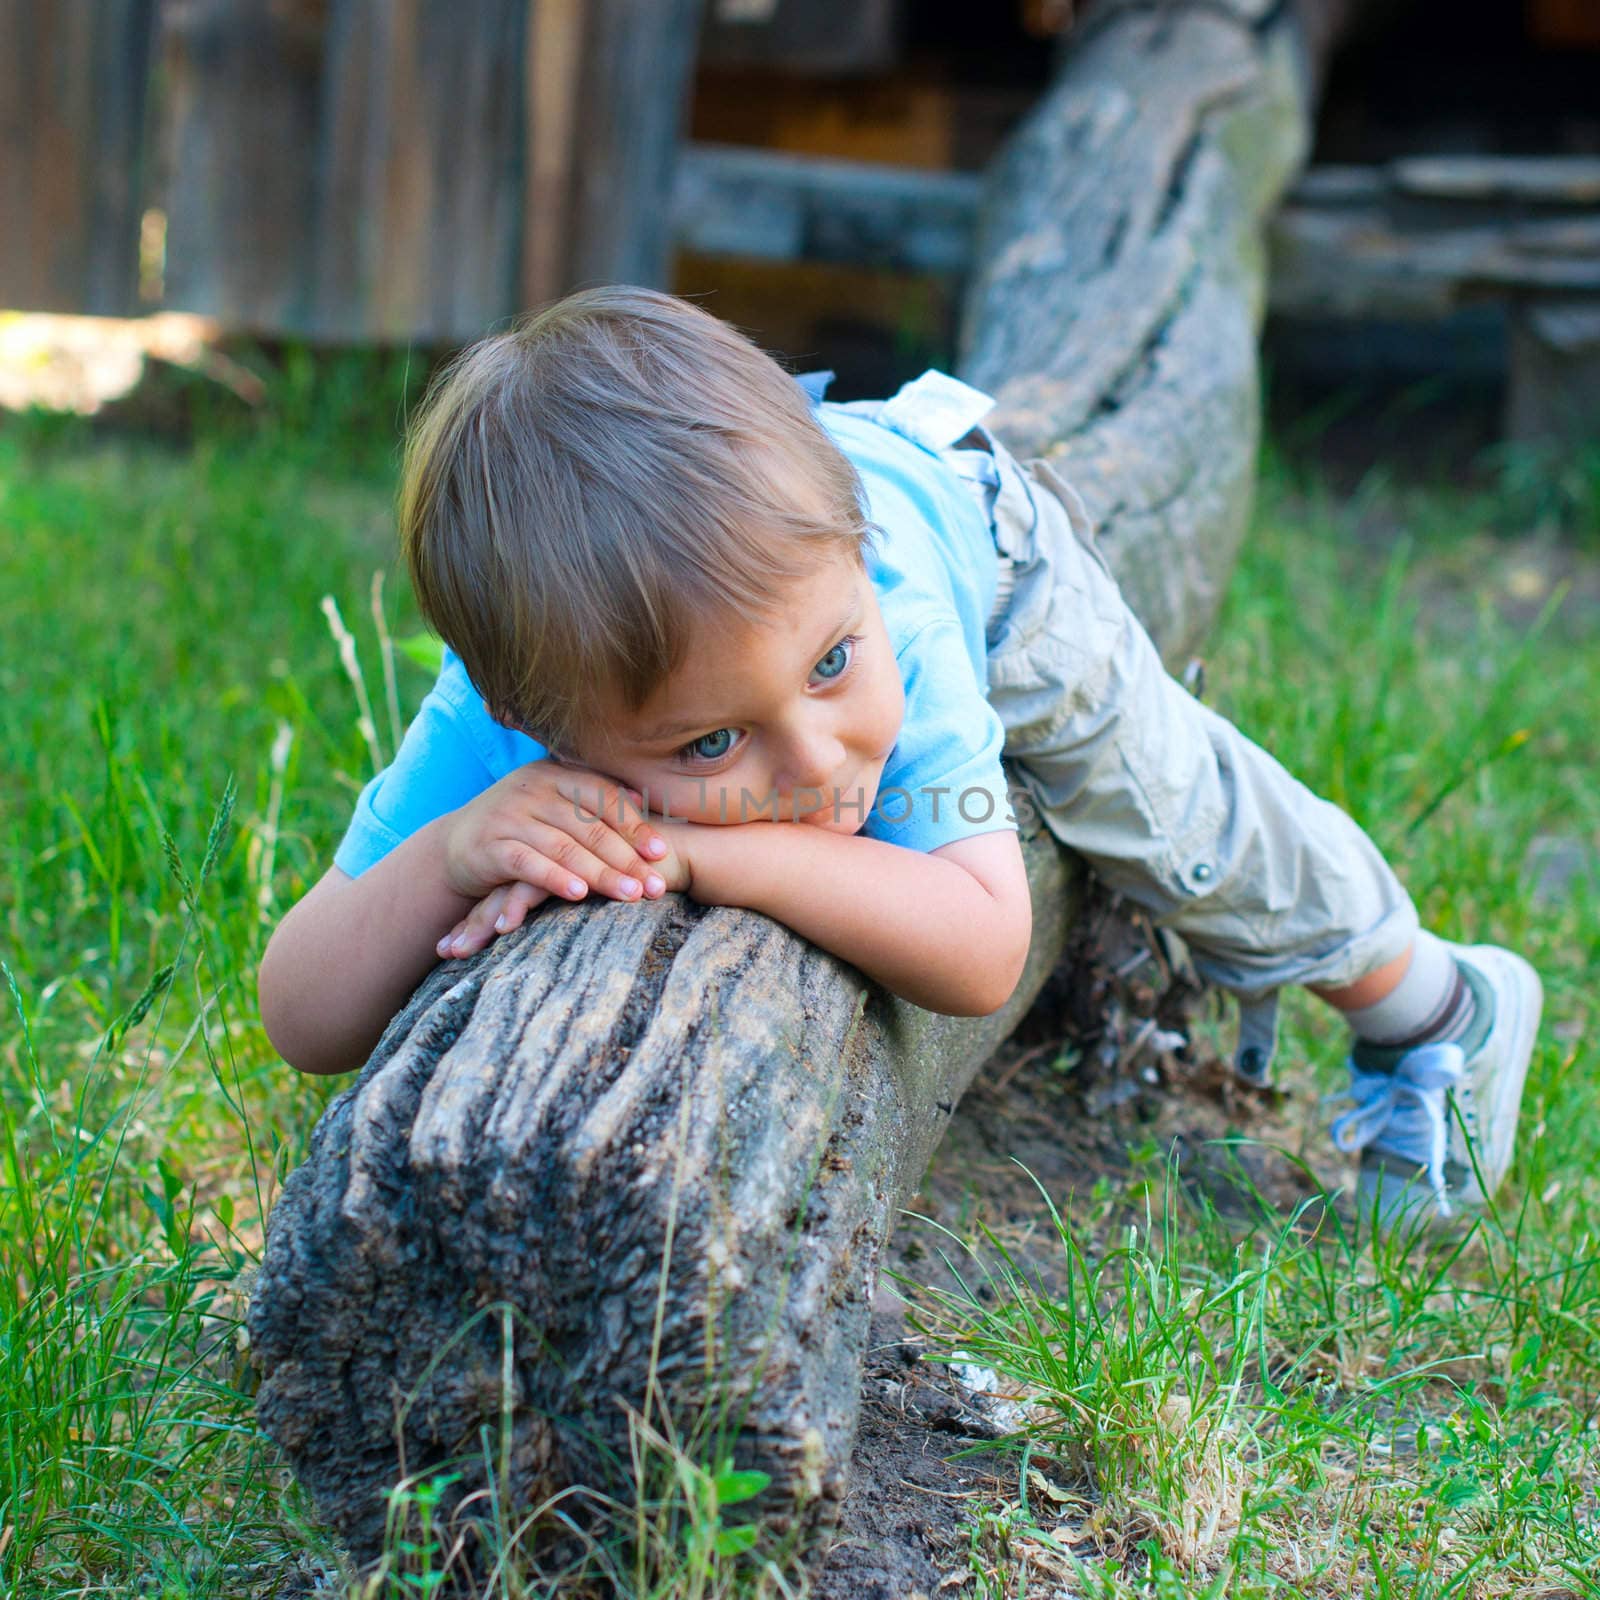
point(545, 829)
point(498, 912)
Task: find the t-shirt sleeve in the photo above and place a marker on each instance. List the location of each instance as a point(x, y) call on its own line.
point(944, 780)
point(451, 753)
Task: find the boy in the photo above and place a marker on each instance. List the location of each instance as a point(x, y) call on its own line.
point(671, 625)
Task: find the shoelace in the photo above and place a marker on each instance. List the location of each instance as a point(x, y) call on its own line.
point(1422, 1077)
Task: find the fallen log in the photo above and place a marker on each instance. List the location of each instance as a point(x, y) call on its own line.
point(1115, 308)
point(643, 1159)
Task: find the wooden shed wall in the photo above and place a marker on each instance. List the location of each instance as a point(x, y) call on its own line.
point(338, 169)
point(74, 78)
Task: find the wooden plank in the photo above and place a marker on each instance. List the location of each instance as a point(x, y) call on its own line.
point(73, 77)
point(356, 169)
point(819, 38)
point(419, 183)
point(1335, 185)
point(242, 103)
point(728, 200)
point(550, 113)
point(1554, 393)
point(1555, 180)
point(1360, 263)
point(1252, 13)
point(633, 106)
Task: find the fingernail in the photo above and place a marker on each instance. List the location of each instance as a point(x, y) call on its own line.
point(655, 847)
point(460, 944)
point(631, 886)
point(500, 923)
point(655, 883)
point(443, 946)
point(576, 886)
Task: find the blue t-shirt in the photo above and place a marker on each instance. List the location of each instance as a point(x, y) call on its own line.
point(933, 566)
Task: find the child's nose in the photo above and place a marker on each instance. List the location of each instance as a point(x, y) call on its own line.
point(814, 764)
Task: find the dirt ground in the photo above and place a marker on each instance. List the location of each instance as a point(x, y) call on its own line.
point(1068, 1104)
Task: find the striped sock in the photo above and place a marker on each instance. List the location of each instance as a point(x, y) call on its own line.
point(1431, 1004)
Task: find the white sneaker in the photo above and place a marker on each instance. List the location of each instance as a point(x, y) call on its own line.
point(1436, 1125)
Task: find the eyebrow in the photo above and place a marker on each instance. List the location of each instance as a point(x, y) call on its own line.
point(673, 730)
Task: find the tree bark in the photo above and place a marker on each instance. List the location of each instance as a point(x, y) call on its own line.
point(647, 1156)
point(1115, 308)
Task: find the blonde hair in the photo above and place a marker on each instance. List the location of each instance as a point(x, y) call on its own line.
point(583, 494)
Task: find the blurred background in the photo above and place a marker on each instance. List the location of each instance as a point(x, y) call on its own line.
point(347, 172)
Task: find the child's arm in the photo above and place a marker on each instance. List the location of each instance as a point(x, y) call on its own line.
point(948, 930)
point(346, 958)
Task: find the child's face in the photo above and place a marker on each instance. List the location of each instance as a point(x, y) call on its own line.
point(794, 715)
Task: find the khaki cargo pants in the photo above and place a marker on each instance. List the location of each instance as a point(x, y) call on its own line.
point(1169, 803)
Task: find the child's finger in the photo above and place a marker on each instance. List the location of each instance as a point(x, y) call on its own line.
point(569, 865)
point(596, 799)
point(521, 898)
point(632, 847)
point(479, 928)
point(627, 865)
point(550, 863)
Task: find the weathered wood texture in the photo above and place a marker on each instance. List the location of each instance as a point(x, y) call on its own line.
point(673, 1140)
point(72, 106)
point(339, 169)
point(638, 64)
point(1422, 238)
point(816, 37)
point(345, 170)
point(1426, 238)
point(1554, 394)
point(768, 205)
point(607, 1090)
point(417, 169)
point(243, 84)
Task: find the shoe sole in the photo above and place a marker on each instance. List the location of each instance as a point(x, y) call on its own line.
point(1518, 984)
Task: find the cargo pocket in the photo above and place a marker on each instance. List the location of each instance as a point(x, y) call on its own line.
point(1078, 518)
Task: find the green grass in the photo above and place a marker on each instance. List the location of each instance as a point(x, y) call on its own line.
point(1290, 1405)
point(179, 748)
point(1222, 1407)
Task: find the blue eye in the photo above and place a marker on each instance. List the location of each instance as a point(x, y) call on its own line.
point(837, 660)
point(711, 746)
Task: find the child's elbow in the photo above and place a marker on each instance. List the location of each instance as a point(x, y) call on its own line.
point(299, 1049)
point(974, 996)
point(277, 1016)
point(987, 987)
point(1004, 985)
point(280, 1003)
point(282, 1037)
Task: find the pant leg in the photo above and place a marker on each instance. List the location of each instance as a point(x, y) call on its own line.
point(1171, 804)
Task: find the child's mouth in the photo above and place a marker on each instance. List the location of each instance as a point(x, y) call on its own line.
point(844, 808)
